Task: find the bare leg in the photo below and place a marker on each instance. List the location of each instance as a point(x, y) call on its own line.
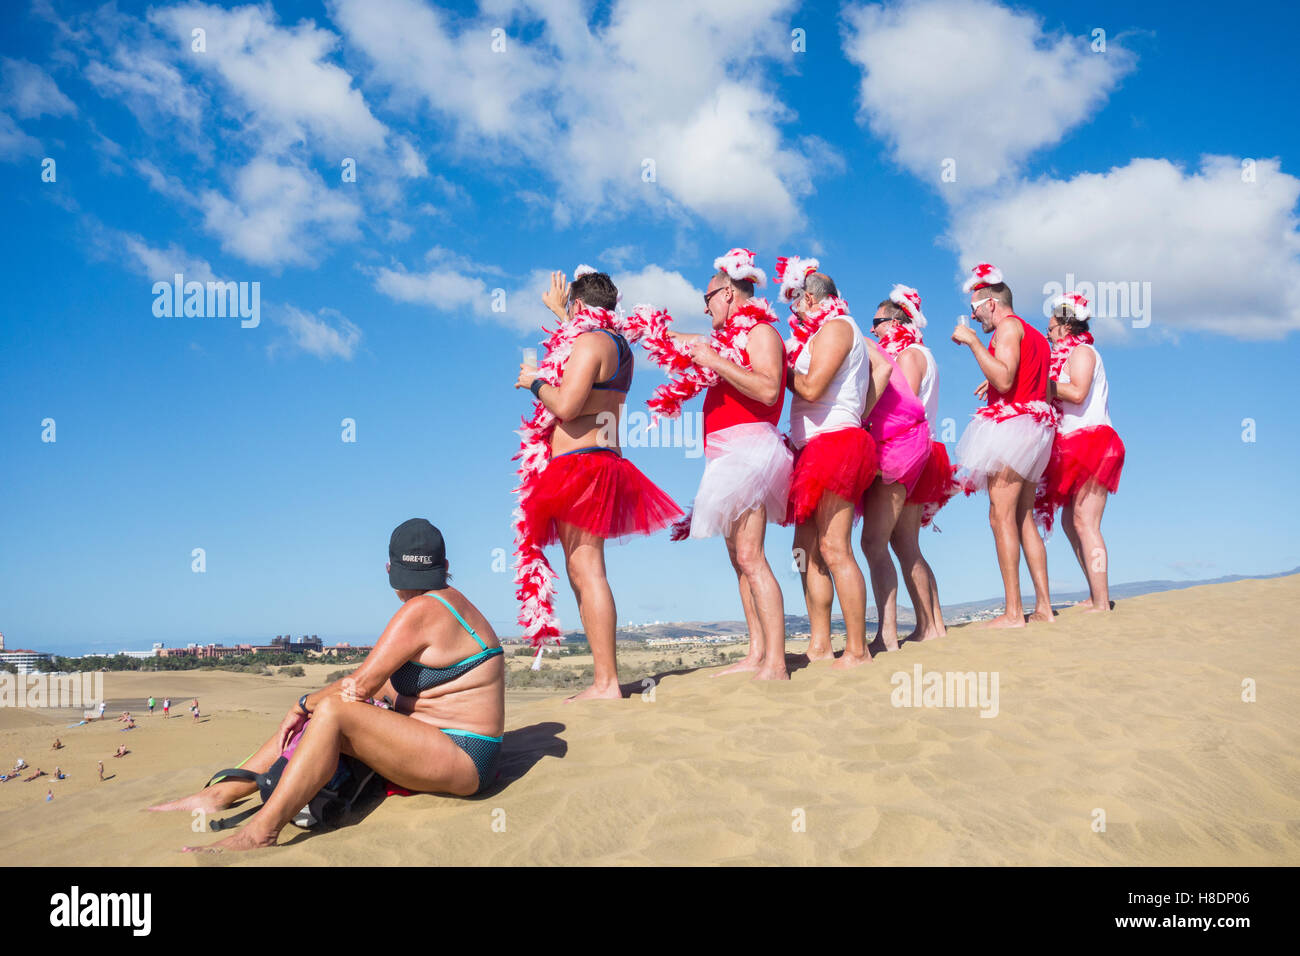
point(753, 623)
point(921, 585)
point(769, 603)
point(1089, 505)
point(1004, 497)
point(835, 540)
point(1067, 525)
point(1035, 554)
point(884, 504)
point(584, 557)
point(225, 792)
point(406, 751)
point(818, 590)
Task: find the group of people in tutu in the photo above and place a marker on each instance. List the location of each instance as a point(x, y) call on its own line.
point(860, 445)
point(426, 709)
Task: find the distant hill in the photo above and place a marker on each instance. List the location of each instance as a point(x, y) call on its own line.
point(953, 613)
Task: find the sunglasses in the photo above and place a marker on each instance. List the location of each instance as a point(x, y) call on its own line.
point(975, 306)
point(710, 295)
point(878, 322)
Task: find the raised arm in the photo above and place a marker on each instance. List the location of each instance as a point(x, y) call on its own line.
point(1000, 370)
point(834, 341)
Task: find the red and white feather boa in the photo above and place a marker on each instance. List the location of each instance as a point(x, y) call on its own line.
point(534, 577)
point(804, 327)
point(899, 337)
point(1061, 352)
point(687, 379)
point(1042, 412)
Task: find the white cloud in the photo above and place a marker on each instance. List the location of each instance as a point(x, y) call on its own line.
point(973, 81)
point(676, 82)
point(285, 90)
point(14, 143)
point(1220, 254)
point(31, 92)
point(455, 285)
point(327, 334)
point(279, 214)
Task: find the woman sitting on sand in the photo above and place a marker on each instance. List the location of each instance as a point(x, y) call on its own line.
point(121, 751)
point(440, 664)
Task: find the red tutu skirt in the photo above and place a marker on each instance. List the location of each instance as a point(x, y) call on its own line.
point(842, 462)
point(601, 492)
point(936, 486)
point(1080, 455)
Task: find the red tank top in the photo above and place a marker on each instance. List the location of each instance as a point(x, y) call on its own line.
point(725, 405)
point(1031, 376)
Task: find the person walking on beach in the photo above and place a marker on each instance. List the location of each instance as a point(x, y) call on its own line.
point(1087, 456)
point(829, 375)
point(898, 324)
point(746, 480)
point(102, 706)
point(575, 486)
point(151, 706)
point(441, 663)
point(167, 707)
point(101, 769)
point(194, 709)
point(1006, 446)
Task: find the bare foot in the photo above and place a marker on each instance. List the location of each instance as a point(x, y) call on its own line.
point(847, 660)
point(203, 800)
point(239, 840)
point(740, 666)
point(819, 651)
point(1041, 617)
point(1093, 609)
point(772, 673)
point(1006, 620)
point(920, 637)
point(609, 692)
point(882, 644)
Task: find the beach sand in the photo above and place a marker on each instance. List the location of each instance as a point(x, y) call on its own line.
point(1138, 715)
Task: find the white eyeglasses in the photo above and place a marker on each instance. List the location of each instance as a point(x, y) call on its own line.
point(975, 306)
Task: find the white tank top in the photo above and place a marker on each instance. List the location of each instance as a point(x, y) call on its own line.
point(929, 393)
point(842, 403)
point(1095, 408)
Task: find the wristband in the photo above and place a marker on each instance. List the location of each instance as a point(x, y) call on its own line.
point(302, 703)
point(536, 388)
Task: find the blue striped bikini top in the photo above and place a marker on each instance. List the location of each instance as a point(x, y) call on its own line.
point(412, 677)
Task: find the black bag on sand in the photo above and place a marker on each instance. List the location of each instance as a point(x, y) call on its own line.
point(350, 781)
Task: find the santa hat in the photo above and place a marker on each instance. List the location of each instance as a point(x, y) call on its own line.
point(982, 276)
point(739, 264)
point(1077, 303)
point(792, 272)
point(909, 300)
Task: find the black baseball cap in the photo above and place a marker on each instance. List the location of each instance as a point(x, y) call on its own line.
point(417, 557)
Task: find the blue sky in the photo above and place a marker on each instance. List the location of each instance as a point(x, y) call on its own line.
point(480, 170)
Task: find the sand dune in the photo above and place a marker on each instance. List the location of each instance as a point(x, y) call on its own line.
point(1138, 714)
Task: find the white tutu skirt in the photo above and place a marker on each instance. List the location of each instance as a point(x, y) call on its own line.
point(986, 447)
point(746, 466)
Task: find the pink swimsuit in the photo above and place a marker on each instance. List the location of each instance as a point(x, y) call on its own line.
point(897, 422)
